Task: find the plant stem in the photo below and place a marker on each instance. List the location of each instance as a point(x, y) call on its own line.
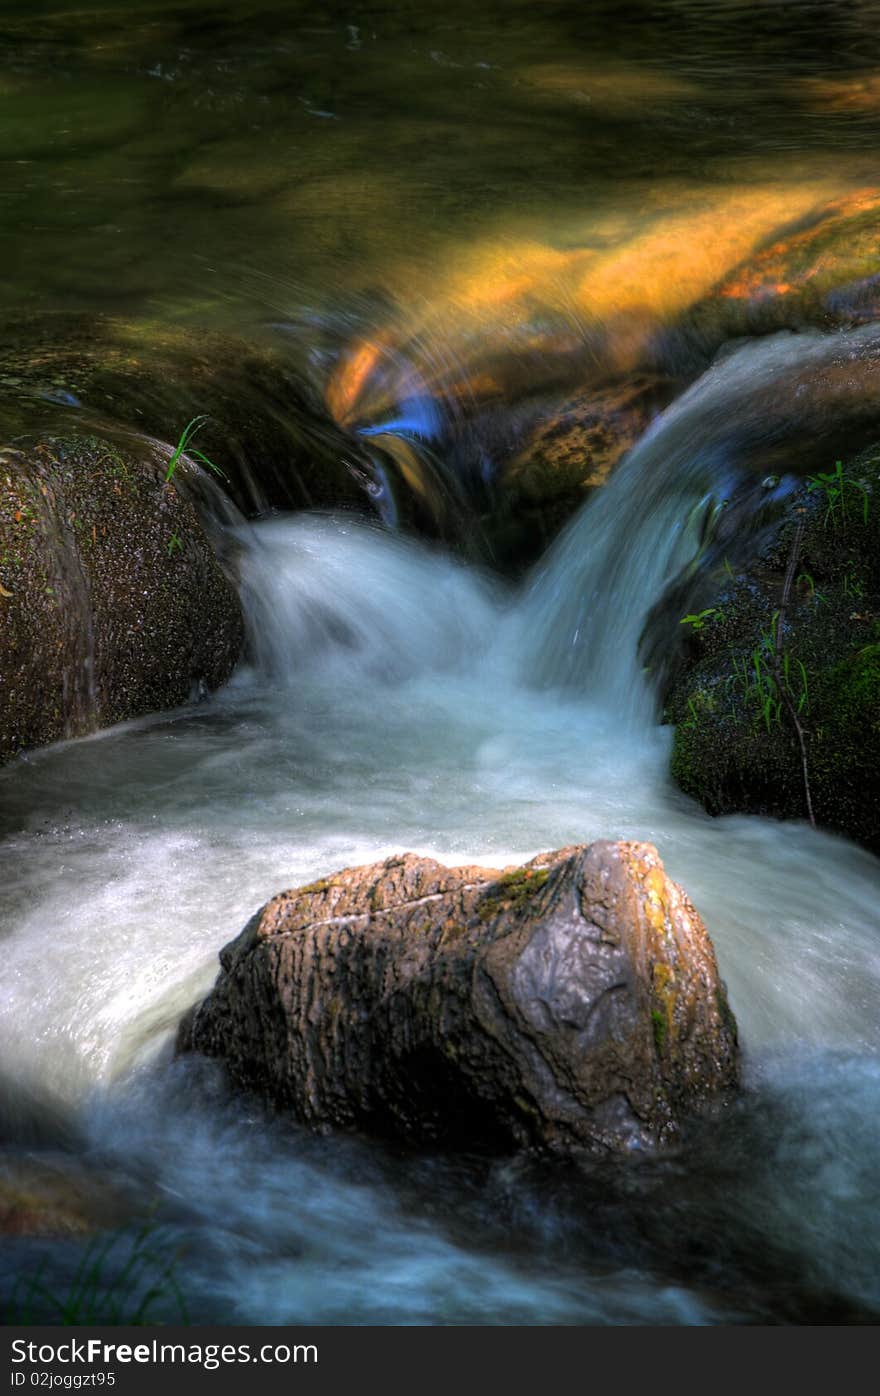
point(781, 686)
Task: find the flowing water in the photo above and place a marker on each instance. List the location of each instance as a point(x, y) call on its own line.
point(225, 158)
point(766, 402)
point(390, 704)
point(317, 167)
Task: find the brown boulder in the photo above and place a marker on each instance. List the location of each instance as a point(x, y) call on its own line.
point(571, 1004)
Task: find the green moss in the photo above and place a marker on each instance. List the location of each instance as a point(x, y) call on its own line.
point(661, 1028)
point(851, 692)
point(511, 890)
point(845, 743)
point(735, 747)
point(322, 884)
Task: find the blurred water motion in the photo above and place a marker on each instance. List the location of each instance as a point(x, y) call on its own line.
point(455, 221)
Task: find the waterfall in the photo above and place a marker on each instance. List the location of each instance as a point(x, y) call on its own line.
point(580, 623)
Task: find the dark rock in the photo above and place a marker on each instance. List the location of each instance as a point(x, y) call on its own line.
point(572, 1004)
point(735, 746)
point(113, 603)
point(569, 451)
point(266, 429)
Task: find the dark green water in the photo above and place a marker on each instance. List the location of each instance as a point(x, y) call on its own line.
point(226, 162)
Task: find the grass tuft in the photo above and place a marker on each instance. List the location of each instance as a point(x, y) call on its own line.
point(108, 1286)
point(184, 447)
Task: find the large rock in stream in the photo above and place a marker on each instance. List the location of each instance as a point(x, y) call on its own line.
point(112, 601)
point(572, 1004)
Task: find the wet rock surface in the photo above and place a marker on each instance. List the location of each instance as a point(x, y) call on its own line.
point(569, 452)
point(264, 427)
point(736, 747)
point(113, 602)
point(821, 272)
point(569, 1005)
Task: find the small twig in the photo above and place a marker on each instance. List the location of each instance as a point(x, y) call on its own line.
point(781, 686)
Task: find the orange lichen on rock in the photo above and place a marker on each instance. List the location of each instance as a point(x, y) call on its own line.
point(823, 248)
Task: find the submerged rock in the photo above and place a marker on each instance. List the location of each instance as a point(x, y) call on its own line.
point(820, 272)
point(572, 1004)
point(264, 427)
point(569, 451)
point(53, 1195)
point(112, 602)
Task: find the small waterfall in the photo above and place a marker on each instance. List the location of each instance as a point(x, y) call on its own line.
point(336, 595)
point(773, 405)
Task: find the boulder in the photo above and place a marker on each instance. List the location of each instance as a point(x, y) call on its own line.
point(569, 1005)
point(265, 427)
point(112, 601)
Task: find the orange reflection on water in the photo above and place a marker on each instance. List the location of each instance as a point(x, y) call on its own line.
point(511, 274)
point(680, 258)
point(813, 252)
point(860, 93)
point(346, 385)
point(613, 88)
point(514, 314)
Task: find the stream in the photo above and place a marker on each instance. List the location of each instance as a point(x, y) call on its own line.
point(395, 697)
point(393, 701)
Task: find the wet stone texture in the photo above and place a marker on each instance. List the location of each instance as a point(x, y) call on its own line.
point(569, 1005)
point(570, 451)
point(112, 602)
point(735, 747)
point(263, 426)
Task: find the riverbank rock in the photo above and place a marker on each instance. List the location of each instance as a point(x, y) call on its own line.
point(736, 747)
point(821, 273)
point(572, 1004)
point(112, 601)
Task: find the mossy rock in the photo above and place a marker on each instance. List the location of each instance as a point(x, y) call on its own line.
point(736, 746)
point(569, 450)
point(266, 428)
point(845, 745)
point(821, 272)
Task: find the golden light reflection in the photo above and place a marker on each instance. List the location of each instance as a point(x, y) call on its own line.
point(515, 313)
point(813, 254)
point(677, 261)
point(347, 384)
point(613, 88)
point(859, 93)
